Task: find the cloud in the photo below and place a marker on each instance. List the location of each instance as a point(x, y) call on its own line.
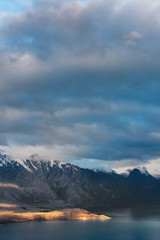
point(132, 37)
point(71, 89)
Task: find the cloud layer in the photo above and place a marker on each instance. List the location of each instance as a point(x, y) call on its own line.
point(82, 78)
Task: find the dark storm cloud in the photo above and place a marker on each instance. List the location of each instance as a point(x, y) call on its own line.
point(83, 76)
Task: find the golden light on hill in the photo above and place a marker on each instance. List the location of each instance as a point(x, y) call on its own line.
point(68, 214)
point(5, 205)
point(9, 185)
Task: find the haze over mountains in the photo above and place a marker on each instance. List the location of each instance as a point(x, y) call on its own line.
point(37, 182)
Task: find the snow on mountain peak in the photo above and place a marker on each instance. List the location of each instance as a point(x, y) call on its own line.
point(5, 159)
point(142, 170)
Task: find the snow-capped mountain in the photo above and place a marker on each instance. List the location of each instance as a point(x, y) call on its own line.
point(142, 170)
point(39, 182)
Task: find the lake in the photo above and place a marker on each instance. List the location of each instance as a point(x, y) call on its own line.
point(139, 224)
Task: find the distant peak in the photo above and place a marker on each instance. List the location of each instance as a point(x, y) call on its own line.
point(139, 170)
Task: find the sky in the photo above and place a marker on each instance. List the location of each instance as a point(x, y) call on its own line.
point(80, 81)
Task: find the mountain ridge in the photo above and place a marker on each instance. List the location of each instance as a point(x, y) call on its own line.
point(58, 185)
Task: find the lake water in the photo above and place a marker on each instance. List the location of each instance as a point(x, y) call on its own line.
point(124, 225)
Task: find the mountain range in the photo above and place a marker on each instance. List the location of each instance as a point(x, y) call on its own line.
point(37, 182)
